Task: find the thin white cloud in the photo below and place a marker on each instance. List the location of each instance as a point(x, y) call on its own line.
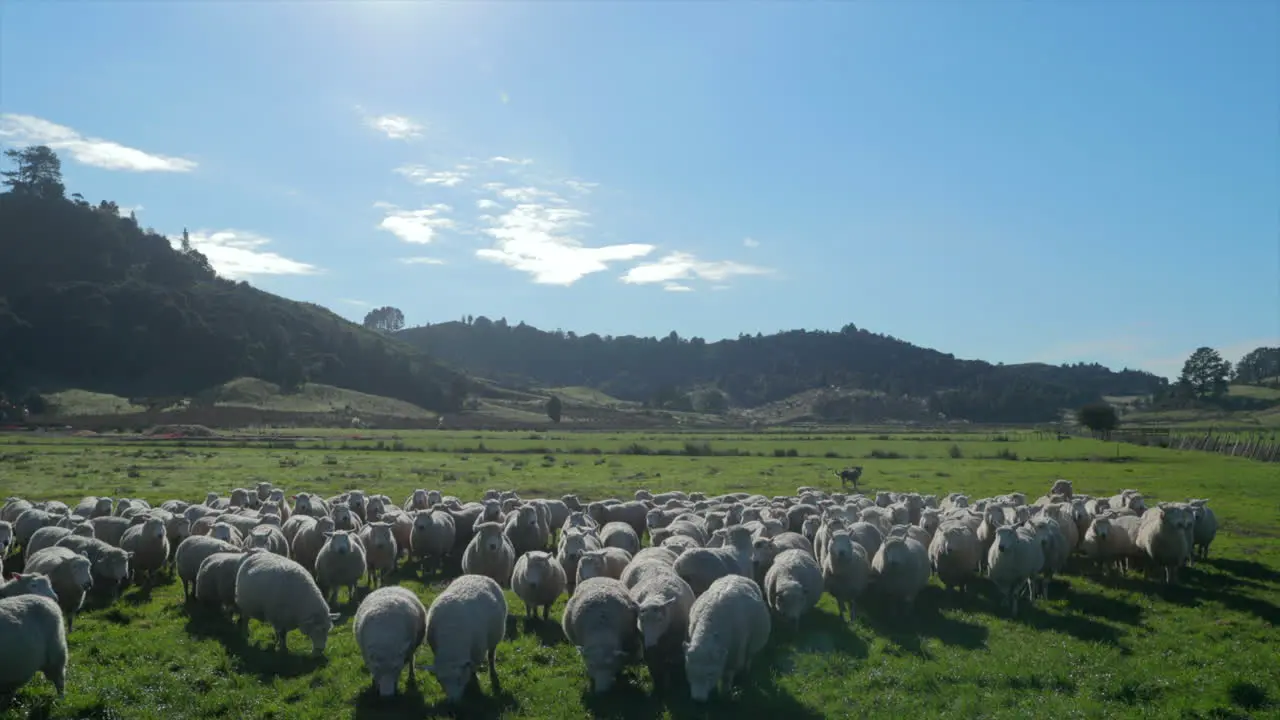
point(487, 204)
point(422, 176)
point(30, 130)
point(357, 303)
point(421, 261)
point(126, 209)
point(504, 160)
point(238, 254)
point(677, 287)
point(581, 187)
point(395, 127)
point(750, 242)
point(534, 237)
point(685, 266)
point(415, 226)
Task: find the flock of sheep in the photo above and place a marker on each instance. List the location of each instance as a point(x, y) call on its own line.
point(702, 596)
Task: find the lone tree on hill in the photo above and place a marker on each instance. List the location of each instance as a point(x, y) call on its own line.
point(1100, 417)
point(553, 409)
point(1205, 373)
point(39, 172)
point(385, 319)
point(1261, 365)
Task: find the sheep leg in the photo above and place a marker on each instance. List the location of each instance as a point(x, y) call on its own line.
point(282, 640)
point(493, 669)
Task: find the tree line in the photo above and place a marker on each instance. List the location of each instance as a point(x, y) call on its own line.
point(90, 300)
point(674, 372)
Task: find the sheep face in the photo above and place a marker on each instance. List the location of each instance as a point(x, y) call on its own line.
point(357, 502)
point(154, 528)
point(317, 631)
point(490, 536)
point(537, 568)
point(380, 536)
point(703, 667)
point(591, 564)
point(419, 500)
point(840, 546)
point(654, 619)
point(1006, 539)
point(453, 678)
point(30, 584)
point(82, 572)
point(339, 541)
point(603, 665)
point(221, 531)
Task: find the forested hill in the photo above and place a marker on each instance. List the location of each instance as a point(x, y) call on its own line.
point(89, 300)
point(753, 370)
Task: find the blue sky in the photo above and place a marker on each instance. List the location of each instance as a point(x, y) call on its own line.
point(1012, 181)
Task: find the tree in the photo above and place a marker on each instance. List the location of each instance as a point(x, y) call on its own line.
point(1261, 365)
point(1099, 417)
point(35, 402)
point(385, 319)
point(1205, 373)
point(39, 172)
point(553, 409)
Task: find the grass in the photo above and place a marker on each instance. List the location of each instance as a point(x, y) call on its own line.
point(311, 398)
point(83, 402)
point(1099, 648)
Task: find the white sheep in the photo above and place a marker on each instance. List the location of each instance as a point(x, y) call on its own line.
point(793, 585)
point(525, 531)
point(148, 545)
point(432, 538)
point(900, 570)
point(1016, 556)
point(846, 571)
point(490, 554)
point(1205, 528)
point(955, 555)
point(729, 625)
point(381, 550)
point(311, 537)
point(465, 624)
point(601, 620)
point(538, 580)
point(191, 553)
point(341, 563)
point(605, 562)
point(281, 593)
point(573, 543)
point(663, 601)
point(620, 535)
point(6, 538)
point(389, 628)
point(70, 574)
point(34, 641)
point(110, 564)
point(1162, 536)
point(215, 584)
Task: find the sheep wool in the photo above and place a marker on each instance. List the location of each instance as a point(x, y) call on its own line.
point(793, 584)
point(465, 624)
point(281, 593)
point(538, 580)
point(390, 626)
point(70, 574)
point(601, 621)
point(35, 641)
point(729, 625)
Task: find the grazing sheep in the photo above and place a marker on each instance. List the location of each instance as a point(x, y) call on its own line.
point(381, 550)
point(663, 601)
point(793, 584)
point(281, 593)
point(35, 641)
point(341, 563)
point(70, 575)
point(215, 585)
point(846, 571)
point(490, 554)
point(432, 538)
point(620, 535)
point(191, 554)
point(32, 520)
point(148, 547)
point(1016, 556)
point(45, 537)
point(900, 570)
point(955, 555)
point(632, 513)
point(601, 620)
point(728, 626)
point(389, 628)
point(465, 623)
point(310, 539)
point(110, 564)
point(605, 562)
point(538, 580)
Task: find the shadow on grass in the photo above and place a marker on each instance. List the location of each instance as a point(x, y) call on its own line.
point(926, 620)
point(1250, 696)
point(265, 661)
point(409, 702)
point(548, 632)
point(476, 703)
point(1248, 569)
point(1196, 587)
point(1100, 606)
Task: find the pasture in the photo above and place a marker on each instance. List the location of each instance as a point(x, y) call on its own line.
point(1123, 647)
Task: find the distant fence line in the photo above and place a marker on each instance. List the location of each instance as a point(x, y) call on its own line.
point(1260, 446)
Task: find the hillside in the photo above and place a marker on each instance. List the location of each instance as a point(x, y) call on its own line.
point(752, 371)
point(88, 300)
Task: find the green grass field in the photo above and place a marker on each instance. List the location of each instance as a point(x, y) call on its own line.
point(1099, 648)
